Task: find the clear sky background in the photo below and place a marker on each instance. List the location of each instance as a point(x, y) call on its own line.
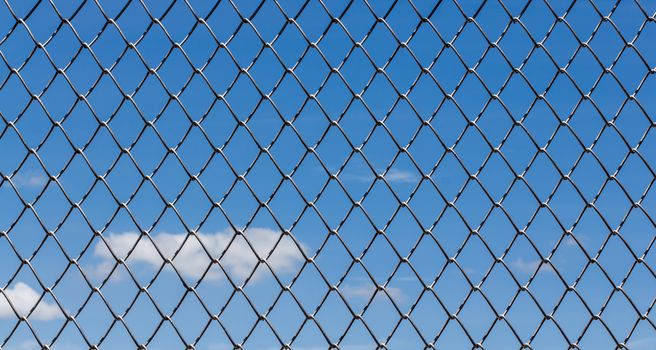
point(314, 173)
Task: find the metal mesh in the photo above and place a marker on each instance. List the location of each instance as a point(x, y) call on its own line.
point(327, 174)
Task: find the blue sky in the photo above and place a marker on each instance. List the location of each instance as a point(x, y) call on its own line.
point(260, 146)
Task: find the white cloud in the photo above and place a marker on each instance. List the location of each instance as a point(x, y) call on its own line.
point(365, 291)
point(103, 269)
point(397, 175)
point(393, 175)
point(29, 179)
point(529, 267)
point(192, 260)
point(24, 298)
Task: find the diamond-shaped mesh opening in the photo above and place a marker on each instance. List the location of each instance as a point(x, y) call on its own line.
point(327, 175)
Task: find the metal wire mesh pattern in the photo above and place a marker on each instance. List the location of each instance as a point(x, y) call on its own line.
point(327, 174)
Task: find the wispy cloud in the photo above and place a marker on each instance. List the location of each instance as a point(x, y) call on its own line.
point(365, 291)
point(470, 270)
point(393, 176)
point(398, 175)
point(29, 179)
point(25, 345)
point(24, 298)
point(192, 260)
point(642, 343)
point(569, 241)
point(529, 266)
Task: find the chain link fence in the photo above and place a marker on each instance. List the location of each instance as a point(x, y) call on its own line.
point(327, 174)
